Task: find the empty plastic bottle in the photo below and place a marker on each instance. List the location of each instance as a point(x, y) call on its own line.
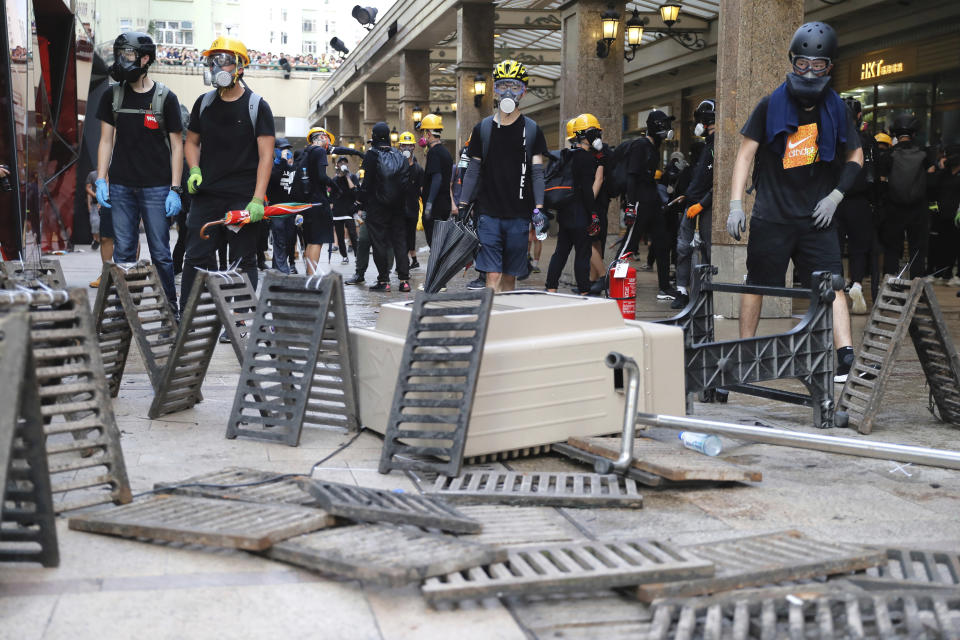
point(539, 224)
point(705, 443)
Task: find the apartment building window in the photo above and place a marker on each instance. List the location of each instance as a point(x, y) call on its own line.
point(309, 25)
point(309, 46)
point(174, 32)
point(283, 15)
point(283, 37)
point(126, 24)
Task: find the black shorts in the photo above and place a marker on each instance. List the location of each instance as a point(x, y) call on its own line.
point(772, 245)
point(106, 223)
point(318, 225)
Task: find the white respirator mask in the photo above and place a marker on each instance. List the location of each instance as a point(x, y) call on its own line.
point(699, 130)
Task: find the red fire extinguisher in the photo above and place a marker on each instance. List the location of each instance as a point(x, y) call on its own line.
point(623, 286)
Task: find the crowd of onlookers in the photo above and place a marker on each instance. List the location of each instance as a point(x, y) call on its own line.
point(192, 57)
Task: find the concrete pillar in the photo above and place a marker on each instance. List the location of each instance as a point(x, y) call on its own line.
point(474, 55)
point(374, 105)
point(332, 124)
point(350, 123)
point(414, 87)
point(589, 84)
point(751, 62)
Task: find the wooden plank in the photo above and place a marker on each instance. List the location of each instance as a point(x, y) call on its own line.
point(383, 554)
point(766, 559)
point(575, 566)
point(671, 460)
point(207, 521)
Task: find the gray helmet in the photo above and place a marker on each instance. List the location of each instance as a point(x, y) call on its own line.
point(814, 40)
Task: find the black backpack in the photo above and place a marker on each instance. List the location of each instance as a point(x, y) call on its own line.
point(391, 176)
point(558, 180)
point(300, 186)
point(907, 181)
point(616, 178)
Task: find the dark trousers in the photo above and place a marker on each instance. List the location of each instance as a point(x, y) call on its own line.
point(349, 227)
point(410, 233)
point(688, 256)
point(855, 226)
point(913, 221)
point(567, 239)
point(363, 250)
point(284, 239)
point(181, 246)
point(388, 240)
point(651, 222)
point(200, 253)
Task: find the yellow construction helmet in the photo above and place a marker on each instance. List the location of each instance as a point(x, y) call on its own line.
point(657, 174)
point(884, 138)
point(226, 43)
point(585, 121)
point(431, 121)
point(570, 133)
point(511, 69)
point(407, 138)
point(314, 131)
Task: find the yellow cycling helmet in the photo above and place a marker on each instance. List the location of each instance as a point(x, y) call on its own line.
point(232, 45)
point(585, 121)
point(406, 138)
point(431, 121)
point(314, 131)
point(884, 138)
point(570, 133)
point(511, 70)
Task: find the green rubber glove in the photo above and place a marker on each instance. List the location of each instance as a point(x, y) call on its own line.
point(933, 207)
point(956, 219)
point(194, 180)
point(255, 209)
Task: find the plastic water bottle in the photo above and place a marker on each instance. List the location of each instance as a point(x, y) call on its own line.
point(707, 444)
point(539, 224)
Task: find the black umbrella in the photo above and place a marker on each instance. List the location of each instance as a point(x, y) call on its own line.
point(452, 248)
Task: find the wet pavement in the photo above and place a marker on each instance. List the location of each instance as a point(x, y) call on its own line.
point(115, 588)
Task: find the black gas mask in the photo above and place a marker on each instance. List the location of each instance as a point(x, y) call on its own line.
point(126, 65)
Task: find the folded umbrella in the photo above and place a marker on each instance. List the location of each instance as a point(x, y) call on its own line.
point(240, 217)
point(458, 250)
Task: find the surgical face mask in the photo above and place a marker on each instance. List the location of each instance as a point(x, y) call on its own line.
point(699, 130)
point(807, 89)
point(406, 153)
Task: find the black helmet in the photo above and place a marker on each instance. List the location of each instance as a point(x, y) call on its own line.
point(905, 124)
point(706, 112)
point(381, 134)
point(853, 104)
point(124, 70)
point(814, 40)
point(658, 122)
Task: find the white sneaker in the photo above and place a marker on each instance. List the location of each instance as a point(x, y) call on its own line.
point(954, 281)
point(859, 306)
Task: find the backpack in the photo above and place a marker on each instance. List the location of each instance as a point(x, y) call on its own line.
point(300, 185)
point(616, 179)
point(156, 106)
point(558, 180)
point(391, 176)
point(907, 182)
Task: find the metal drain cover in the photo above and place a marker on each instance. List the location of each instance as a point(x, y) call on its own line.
point(539, 488)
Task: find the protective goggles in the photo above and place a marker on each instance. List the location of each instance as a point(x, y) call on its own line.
point(221, 59)
point(509, 85)
point(128, 53)
point(803, 64)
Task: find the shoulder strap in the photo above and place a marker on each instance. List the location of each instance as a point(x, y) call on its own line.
point(159, 96)
point(117, 100)
point(486, 127)
point(530, 131)
point(207, 100)
point(254, 107)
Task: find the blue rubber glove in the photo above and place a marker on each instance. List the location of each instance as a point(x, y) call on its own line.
point(172, 204)
point(103, 193)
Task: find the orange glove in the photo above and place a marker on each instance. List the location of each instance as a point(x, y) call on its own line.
point(694, 210)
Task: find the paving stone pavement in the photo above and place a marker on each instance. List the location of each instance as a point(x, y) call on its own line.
point(109, 587)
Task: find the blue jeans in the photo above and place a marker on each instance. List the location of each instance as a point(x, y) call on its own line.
point(130, 205)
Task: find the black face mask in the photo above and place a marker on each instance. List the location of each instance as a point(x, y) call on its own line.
point(807, 91)
point(126, 71)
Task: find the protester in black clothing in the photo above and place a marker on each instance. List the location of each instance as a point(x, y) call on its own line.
point(230, 158)
point(506, 162)
point(382, 193)
point(642, 194)
point(906, 200)
point(318, 220)
point(855, 215)
point(574, 220)
point(948, 199)
point(693, 238)
point(436, 175)
point(808, 156)
point(344, 206)
point(413, 203)
point(283, 229)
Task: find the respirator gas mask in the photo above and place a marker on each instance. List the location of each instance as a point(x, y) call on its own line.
point(507, 94)
point(214, 75)
point(594, 139)
point(126, 65)
point(810, 78)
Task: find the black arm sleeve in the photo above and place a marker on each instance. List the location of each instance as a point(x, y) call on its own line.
point(847, 177)
point(435, 183)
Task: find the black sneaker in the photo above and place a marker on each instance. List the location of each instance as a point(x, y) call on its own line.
point(225, 337)
point(380, 286)
point(680, 301)
point(667, 294)
point(843, 368)
point(414, 263)
point(479, 283)
point(356, 279)
point(94, 245)
point(345, 261)
point(403, 288)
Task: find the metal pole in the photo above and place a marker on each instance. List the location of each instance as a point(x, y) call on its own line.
point(815, 441)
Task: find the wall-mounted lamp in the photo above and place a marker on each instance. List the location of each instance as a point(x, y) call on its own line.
point(453, 107)
point(479, 89)
point(394, 136)
point(634, 34)
point(610, 25)
point(669, 13)
point(417, 115)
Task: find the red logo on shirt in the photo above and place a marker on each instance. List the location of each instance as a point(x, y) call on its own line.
point(150, 121)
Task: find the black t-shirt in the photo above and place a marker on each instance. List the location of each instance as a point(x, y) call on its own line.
point(415, 179)
point(316, 163)
point(440, 162)
point(281, 181)
point(501, 172)
point(642, 164)
point(228, 144)
point(141, 157)
point(790, 184)
point(584, 170)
